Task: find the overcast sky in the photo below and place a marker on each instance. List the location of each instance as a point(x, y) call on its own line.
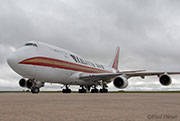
point(147, 31)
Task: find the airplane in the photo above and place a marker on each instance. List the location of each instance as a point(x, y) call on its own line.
point(39, 63)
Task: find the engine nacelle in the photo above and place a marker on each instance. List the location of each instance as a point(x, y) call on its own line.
point(120, 82)
point(30, 83)
point(23, 83)
point(165, 80)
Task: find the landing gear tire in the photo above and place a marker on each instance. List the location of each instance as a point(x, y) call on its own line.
point(66, 91)
point(94, 91)
point(82, 91)
point(103, 90)
point(35, 90)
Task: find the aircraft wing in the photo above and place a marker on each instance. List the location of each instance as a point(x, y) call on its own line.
point(144, 74)
point(129, 74)
point(97, 77)
point(104, 76)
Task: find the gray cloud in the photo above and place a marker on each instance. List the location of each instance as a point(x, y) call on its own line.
point(148, 32)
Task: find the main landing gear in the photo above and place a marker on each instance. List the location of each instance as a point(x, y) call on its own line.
point(67, 90)
point(94, 90)
point(82, 90)
point(103, 90)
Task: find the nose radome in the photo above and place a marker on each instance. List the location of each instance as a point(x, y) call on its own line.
point(12, 60)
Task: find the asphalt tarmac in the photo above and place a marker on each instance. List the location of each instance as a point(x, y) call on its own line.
point(90, 107)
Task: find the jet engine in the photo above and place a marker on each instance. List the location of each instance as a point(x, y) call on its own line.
point(30, 83)
point(23, 83)
point(26, 83)
point(165, 80)
point(120, 82)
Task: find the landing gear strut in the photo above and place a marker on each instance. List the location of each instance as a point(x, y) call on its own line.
point(82, 90)
point(67, 90)
point(94, 90)
point(104, 90)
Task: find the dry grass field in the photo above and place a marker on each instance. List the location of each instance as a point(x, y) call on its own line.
point(90, 107)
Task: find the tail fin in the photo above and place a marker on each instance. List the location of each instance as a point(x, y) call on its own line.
point(115, 61)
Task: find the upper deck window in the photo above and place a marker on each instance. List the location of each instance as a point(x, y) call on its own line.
point(31, 44)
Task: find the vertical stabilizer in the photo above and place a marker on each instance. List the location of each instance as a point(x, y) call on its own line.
point(115, 61)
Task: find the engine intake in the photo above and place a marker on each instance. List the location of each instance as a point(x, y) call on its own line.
point(30, 83)
point(23, 83)
point(165, 80)
point(120, 82)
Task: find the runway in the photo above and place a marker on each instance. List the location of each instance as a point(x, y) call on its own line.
point(90, 107)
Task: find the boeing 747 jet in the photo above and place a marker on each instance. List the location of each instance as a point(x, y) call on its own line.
point(39, 63)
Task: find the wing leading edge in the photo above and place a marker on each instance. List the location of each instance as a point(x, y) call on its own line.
point(127, 74)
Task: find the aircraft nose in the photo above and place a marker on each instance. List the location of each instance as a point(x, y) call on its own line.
point(12, 60)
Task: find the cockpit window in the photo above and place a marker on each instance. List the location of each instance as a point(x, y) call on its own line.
point(31, 44)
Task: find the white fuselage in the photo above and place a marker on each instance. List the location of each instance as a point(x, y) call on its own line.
point(48, 63)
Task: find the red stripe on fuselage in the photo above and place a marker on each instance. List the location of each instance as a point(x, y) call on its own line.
point(86, 68)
